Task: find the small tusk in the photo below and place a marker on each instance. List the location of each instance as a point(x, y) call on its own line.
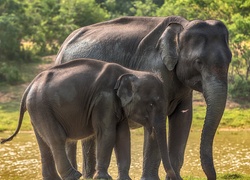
point(185, 110)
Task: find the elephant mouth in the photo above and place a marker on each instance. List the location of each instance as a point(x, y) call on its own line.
point(198, 86)
point(133, 125)
point(195, 84)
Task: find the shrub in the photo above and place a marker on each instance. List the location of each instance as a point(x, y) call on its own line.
point(239, 89)
point(9, 73)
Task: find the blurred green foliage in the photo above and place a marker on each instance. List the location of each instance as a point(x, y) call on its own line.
point(33, 28)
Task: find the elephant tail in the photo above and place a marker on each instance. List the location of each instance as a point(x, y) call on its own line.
point(22, 111)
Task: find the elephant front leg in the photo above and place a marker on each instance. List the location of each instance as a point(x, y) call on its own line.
point(151, 157)
point(179, 127)
point(122, 150)
point(105, 145)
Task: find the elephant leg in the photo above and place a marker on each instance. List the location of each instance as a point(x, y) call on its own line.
point(122, 150)
point(151, 157)
point(179, 127)
point(105, 142)
point(89, 157)
point(48, 165)
point(54, 136)
point(104, 151)
point(71, 148)
point(57, 144)
point(105, 145)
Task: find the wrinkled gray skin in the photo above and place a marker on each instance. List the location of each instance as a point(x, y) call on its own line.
point(85, 98)
point(189, 55)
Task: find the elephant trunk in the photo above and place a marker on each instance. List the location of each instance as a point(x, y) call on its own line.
point(215, 94)
point(160, 132)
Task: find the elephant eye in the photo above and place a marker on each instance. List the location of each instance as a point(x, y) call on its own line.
point(151, 105)
point(198, 64)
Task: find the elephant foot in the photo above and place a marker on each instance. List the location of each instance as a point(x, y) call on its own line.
point(178, 177)
point(54, 178)
point(88, 174)
point(73, 175)
point(101, 175)
point(124, 178)
point(150, 178)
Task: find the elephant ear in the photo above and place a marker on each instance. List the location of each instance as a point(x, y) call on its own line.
point(168, 45)
point(125, 88)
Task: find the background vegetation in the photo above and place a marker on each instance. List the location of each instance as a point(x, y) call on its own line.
point(30, 29)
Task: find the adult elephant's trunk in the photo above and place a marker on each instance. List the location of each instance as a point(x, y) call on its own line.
point(215, 93)
point(160, 131)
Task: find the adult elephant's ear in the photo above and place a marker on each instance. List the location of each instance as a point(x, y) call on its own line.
point(168, 45)
point(125, 88)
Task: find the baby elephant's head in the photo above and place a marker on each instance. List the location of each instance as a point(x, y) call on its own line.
point(142, 98)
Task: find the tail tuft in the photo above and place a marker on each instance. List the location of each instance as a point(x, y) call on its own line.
point(6, 140)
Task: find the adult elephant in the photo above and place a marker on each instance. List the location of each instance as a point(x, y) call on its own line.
point(189, 55)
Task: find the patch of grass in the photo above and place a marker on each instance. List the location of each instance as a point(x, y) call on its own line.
point(236, 118)
point(232, 118)
point(235, 115)
point(9, 121)
point(229, 176)
point(234, 176)
point(221, 177)
point(199, 112)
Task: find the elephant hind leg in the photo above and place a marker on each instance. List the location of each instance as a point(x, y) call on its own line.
point(71, 149)
point(48, 165)
point(54, 136)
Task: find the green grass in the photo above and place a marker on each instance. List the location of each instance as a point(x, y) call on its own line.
point(227, 176)
point(236, 118)
point(232, 118)
point(222, 177)
point(9, 109)
point(9, 121)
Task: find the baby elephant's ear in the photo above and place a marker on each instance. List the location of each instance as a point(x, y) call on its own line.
point(124, 86)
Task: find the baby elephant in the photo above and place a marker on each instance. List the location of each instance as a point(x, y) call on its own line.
point(85, 98)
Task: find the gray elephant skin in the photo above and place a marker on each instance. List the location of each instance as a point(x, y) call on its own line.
point(189, 55)
point(85, 98)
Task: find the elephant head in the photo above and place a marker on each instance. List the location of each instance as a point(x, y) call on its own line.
point(142, 98)
point(198, 53)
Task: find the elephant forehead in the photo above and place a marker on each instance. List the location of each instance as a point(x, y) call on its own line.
point(148, 96)
point(203, 29)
